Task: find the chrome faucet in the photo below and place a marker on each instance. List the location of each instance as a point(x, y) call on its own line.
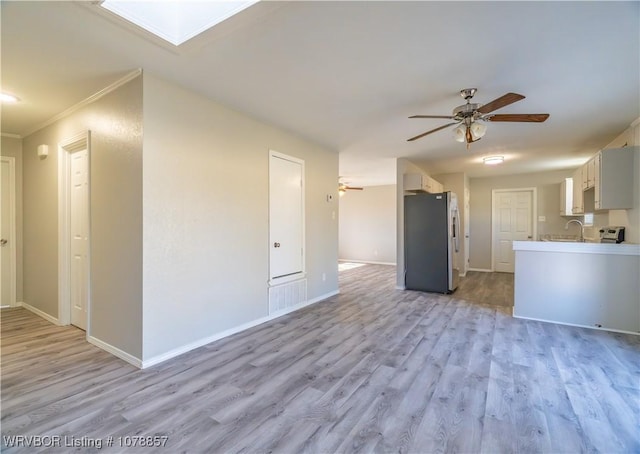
point(566, 227)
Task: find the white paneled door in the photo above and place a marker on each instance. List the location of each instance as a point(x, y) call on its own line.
point(286, 216)
point(7, 233)
point(512, 221)
point(79, 241)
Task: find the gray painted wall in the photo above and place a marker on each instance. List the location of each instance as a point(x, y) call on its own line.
point(368, 225)
point(115, 121)
point(548, 188)
point(206, 237)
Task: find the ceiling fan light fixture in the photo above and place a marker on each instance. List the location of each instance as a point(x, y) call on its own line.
point(8, 98)
point(493, 160)
point(478, 130)
point(459, 133)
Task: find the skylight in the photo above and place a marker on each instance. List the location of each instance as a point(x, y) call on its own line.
point(176, 21)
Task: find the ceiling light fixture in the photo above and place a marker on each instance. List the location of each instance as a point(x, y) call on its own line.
point(6, 97)
point(459, 133)
point(469, 131)
point(478, 130)
point(493, 160)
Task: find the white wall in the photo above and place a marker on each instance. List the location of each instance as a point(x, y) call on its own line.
point(205, 203)
point(115, 121)
point(368, 225)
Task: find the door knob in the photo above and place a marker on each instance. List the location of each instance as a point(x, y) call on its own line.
point(3, 242)
point(276, 244)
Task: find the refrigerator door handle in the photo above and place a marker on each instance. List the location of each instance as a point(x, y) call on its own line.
point(456, 231)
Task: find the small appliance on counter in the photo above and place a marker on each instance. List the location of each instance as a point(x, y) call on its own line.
point(612, 234)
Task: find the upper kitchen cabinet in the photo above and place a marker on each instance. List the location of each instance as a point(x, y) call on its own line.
point(578, 194)
point(613, 179)
point(588, 174)
point(417, 182)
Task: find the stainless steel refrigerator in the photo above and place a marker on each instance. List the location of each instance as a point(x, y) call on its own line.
point(431, 235)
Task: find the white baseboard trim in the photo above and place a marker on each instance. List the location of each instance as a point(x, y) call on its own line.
point(207, 340)
point(39, 313)
point(400, 287)
point(577, 326)
point(115, 351)
point(482, 270)
point(369, 262)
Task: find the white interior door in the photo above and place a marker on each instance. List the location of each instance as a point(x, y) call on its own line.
point(79, 238)
point(286, 214)
point(7, 234)
point(467, 216)
point(512, 222)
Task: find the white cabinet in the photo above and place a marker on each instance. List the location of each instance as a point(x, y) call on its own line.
point(584, 176)
point(588, 172)
point(613, 179)
point(566, 197)
point(421, 183)
point(596, 180)
point(578, 196)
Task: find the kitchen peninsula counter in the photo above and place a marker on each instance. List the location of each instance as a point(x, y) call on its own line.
point(588, 284)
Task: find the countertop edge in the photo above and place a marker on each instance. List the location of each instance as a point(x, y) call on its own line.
point(577, 248)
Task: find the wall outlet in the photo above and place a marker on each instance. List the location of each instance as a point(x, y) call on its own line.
point(542, 219)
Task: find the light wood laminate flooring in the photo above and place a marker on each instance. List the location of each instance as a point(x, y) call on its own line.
point(373, 369)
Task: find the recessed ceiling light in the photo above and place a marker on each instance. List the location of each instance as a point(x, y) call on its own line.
point(176, 21)
point(6, 97)
point(493, 160)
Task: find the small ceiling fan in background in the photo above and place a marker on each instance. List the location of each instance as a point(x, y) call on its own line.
point(344, 187)
point(469, 116)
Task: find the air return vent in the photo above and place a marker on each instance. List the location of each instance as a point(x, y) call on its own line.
point(286, 296)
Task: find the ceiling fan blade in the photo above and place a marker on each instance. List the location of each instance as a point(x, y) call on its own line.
point(432, 131)
point(432, 116)
point(499, 103)
point(534, 118)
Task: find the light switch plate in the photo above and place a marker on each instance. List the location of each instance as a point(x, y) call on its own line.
point(542, 219)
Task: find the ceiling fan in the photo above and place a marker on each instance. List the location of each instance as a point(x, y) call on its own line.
point(344, 187)
point(469, 116)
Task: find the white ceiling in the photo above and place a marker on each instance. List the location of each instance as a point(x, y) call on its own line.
point(348, 74)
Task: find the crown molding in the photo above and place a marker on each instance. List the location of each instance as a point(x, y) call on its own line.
point(93, 98)
point(11, 136)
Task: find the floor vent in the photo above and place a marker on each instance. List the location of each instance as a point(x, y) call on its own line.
point(285, 296)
